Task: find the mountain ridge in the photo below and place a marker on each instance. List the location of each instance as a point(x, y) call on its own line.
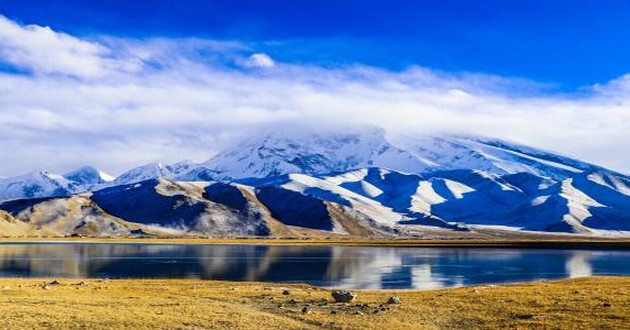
point(356, 182)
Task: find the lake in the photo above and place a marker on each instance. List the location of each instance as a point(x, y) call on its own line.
point(327, 266)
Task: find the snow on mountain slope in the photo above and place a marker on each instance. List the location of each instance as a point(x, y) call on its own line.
point(154, 171)
point(196, 173)
point(139, 174)
point(387, 201)
point(390, 188)
point(46, 184)
point(212, 208)
point(574, 205)
point(325, 190)
point(325, 212)
point(312, 152)
point(319, 152)
point(579, 204)
point(610, 198)
point(528, 183)
point(38, 184)
point(453, 152)
point(416, 195)
point(87, 177)
point(618, 183)
point(353, 181)
point(432, 198)
point(369, 201)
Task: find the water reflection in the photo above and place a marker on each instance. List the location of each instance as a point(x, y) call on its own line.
point(349, 267)
point(579, 264)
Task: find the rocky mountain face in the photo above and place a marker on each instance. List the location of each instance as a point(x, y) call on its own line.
point(359, 182)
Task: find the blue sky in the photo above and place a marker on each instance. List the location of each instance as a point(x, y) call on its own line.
point(117, 84)
point(565, 44)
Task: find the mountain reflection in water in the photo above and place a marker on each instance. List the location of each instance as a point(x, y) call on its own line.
point(347, 267)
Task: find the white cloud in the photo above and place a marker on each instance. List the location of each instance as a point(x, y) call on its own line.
point(260, 60)
point(119, 103)
point(44, 51)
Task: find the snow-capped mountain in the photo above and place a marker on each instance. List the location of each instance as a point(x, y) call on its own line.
point(46, 184)
point(312, 152)
point(88, 177)
point(453, 152)
point(321, 152)
point(363, 202)
point(155, 171)
point(37, 184)
point(593, 203)
point(358, 181)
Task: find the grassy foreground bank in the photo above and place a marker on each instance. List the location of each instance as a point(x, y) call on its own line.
point(587, 303)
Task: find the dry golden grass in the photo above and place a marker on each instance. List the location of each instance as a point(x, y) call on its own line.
point(586, 303)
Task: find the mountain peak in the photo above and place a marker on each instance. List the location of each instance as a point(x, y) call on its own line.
point(36, 184)
point(140, 173)
point(88, 175)
point(311, 152)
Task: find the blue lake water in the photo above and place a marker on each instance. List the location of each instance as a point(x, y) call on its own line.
point(328, 266)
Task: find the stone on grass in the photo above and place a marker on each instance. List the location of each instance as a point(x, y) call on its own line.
point(394, 300)
point(286, 292)
point(343, 296)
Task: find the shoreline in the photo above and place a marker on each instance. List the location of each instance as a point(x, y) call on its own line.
point(285, 285)
point(565, 243)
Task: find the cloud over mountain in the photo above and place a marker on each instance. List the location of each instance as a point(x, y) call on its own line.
point(119, 102)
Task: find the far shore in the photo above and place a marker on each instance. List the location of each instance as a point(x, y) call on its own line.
point(539, 243)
